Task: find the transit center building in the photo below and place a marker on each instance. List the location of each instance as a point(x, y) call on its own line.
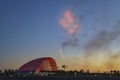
point(45, 64)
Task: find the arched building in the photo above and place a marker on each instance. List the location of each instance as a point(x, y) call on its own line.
point(38, 65)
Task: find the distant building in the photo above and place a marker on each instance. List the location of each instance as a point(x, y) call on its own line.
point(39, 65)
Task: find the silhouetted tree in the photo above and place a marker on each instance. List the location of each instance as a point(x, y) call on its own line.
point(64, 67)
point(111, 72)
point(0, 71)
point(5, 72)
point(87, 71)
point(81, 71)
point(115, 71)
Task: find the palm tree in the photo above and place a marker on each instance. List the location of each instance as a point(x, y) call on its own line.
point(64, 67)
point(0, 71)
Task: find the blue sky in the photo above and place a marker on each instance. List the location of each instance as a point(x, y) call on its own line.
point(30, 29)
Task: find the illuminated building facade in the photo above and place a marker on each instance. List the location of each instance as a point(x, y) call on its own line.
point(39, 65)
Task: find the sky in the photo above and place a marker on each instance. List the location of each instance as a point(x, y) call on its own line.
point(31, 29)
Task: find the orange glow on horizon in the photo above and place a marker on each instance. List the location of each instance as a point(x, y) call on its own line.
point(92, 63)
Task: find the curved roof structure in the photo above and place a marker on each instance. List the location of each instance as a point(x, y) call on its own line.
point(40, 64)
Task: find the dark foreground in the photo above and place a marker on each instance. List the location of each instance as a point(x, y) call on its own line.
point(62, 78)
point(60, 75)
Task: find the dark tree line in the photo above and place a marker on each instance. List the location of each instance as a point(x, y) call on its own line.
point(14, 73)
point(9, 72)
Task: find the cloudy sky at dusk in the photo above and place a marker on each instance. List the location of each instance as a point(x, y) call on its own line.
point(79, 33)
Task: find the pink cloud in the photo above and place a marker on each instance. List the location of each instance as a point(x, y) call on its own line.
point(68, 23)
point(68, 16)
point(63, 22)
